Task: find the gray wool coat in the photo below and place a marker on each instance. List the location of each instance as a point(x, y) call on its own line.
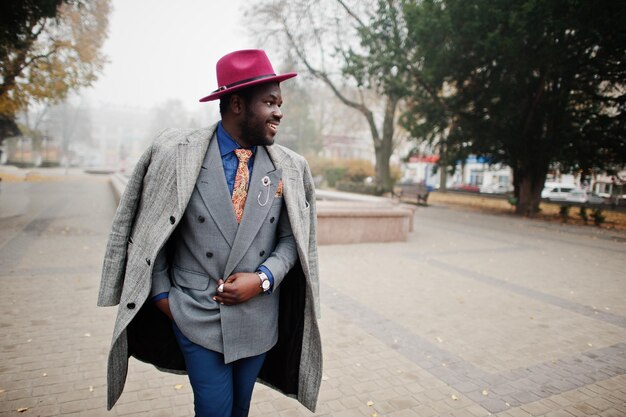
point(150, 209)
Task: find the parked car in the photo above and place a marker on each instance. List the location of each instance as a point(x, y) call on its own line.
point(578, 195)
point(466, 187)
point(556, 192)
point(496, 189)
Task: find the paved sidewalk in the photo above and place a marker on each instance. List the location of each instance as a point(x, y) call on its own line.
point(475, 315)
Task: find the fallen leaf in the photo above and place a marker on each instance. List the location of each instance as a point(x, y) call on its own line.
point(178, 386)
point(485, 392)
point(370, 403)
point(22, 409)
point(454, 397)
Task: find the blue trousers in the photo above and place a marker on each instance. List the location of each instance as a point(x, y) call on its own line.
point(219, 389)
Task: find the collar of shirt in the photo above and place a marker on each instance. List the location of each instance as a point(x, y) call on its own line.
point(226, 143)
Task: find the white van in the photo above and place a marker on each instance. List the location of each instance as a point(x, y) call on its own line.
point(556, 191)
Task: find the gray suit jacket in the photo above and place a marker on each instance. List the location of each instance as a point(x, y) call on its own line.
point(209, 244)
point(152, 206)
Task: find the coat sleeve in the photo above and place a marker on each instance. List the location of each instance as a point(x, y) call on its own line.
point(114, 265)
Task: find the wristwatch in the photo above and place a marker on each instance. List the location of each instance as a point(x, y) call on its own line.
point(265, 281)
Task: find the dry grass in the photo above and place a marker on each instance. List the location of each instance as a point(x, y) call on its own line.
point(549, 211)
point(9, 174)
point(8, 177)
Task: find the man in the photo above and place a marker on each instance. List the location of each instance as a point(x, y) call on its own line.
point(212, 256)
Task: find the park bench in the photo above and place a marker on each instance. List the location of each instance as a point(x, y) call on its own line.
point(417, 192)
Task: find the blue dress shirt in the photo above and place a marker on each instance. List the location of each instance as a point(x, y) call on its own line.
point(230, 162)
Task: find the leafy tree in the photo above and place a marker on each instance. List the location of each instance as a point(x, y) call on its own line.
point(356, 49)
point(529, 83)
point(48, 48)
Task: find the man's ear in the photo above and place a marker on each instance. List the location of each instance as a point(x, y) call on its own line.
point(237, 104)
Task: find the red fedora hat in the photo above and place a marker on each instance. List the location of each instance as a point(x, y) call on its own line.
point(241, 69)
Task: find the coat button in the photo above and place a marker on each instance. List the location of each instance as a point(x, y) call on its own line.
point(172, 219)
point(201, 219)
point(262, 253)
point(130, 305)
point(148, 261)
point(272, 220)
point(209, 254)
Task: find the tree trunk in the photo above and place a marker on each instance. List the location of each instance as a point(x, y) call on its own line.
point(443, 178)
point(531, 182)
point(443, 168)
point(384, 147)
point(383, 173)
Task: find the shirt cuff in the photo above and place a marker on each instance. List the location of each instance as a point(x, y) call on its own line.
point(267, 272)
point(161, 296)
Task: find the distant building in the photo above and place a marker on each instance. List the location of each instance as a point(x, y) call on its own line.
point(474, 171)
point(612, 187)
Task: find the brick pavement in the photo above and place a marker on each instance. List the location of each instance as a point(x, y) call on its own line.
point(475, 315)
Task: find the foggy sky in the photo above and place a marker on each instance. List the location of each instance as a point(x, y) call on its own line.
point(160, 50)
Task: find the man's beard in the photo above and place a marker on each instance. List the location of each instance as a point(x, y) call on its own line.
point(254, 134)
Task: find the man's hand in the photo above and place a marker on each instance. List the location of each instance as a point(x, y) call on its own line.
point(239, 288)
point(164, 306)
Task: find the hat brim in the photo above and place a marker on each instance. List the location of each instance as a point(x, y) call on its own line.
point(273, 79)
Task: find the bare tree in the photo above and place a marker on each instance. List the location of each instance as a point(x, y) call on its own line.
point(355, 49)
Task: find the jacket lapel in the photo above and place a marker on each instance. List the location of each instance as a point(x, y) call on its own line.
point(258, 204)
point(213, 190)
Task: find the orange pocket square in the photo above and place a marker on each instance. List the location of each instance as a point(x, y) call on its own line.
point(279, 189)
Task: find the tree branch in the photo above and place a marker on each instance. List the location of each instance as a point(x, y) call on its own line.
point(351, 13)
point(369, 116)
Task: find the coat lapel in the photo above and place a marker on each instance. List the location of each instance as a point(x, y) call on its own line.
point(189, 156)
point(258, 204)
point(213, 190)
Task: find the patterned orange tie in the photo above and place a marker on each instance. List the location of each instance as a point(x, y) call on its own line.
point(240, 189)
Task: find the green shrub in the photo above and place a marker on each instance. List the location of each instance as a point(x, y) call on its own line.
point(511, 200)
point(598, 217)
point(334, 174)
point(360, 187)
point(583, 214)
point(564, 212)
